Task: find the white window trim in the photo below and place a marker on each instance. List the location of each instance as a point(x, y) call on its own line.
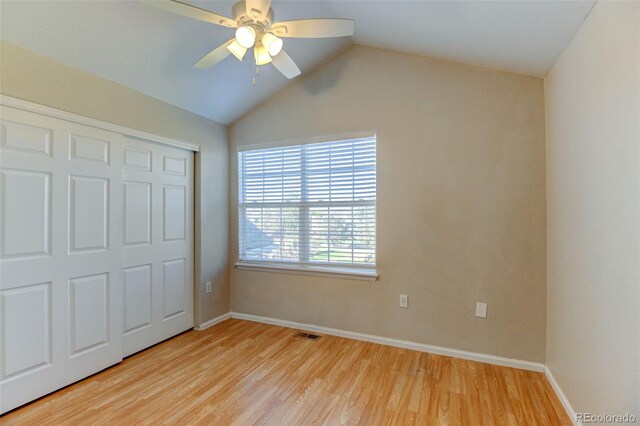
point(332, 271)
point(350, 272)
point(308, 141)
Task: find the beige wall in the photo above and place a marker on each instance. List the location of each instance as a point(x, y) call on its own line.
point(35, 78)
point(593, 176)
point(461, 202)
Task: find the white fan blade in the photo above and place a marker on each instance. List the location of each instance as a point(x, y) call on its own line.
point(285, 65)
point(215, 56)
point(191, 12)
point(315, 28)
point(258, 9)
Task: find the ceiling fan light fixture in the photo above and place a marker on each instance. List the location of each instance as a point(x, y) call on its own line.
point(246, 36)
point(237, 49)
point(261, 54)
point(272, 43)
point(255, 28)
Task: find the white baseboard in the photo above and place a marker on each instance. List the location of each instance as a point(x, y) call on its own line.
point(421, 347)
point(561, 396)
point(439, 350)
point(213, 321)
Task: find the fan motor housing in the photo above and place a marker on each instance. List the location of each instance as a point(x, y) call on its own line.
point(240, 15)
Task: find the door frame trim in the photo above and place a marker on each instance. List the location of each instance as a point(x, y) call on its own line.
point(92, 122)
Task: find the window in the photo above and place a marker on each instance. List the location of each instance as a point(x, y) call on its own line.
point(312, 204)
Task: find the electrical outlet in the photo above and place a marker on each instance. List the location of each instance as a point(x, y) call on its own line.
point(404, 301)
point(481, 310)
point(208, 287)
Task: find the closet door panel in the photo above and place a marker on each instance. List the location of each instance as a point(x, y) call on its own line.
point(30, 242)
point(60, 285)
point(93, 279)
point(158, 253)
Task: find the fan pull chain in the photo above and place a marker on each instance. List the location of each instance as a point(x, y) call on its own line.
point(256, 76)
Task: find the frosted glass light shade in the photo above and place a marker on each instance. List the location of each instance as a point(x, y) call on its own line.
point(261, 54)
point(237, 49)
point(246, 36)
point(272, 43)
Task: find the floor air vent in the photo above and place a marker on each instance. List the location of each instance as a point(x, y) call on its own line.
point(307, 336)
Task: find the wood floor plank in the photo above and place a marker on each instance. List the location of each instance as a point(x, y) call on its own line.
point(245, 373)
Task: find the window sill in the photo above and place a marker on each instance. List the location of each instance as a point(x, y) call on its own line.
point(360, 274)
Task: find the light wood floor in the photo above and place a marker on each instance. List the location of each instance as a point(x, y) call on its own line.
point(242, 372)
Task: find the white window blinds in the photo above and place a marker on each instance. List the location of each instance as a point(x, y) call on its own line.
point(311, 203)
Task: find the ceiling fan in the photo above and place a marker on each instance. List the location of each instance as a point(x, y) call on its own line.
point(253, 20)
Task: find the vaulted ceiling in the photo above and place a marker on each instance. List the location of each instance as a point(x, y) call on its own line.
point(152, 51)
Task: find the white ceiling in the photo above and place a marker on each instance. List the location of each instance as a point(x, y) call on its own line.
point(153, 51)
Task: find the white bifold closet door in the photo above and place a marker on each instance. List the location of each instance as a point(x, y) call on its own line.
point(60, 276)
point(96, 250)
point(157, 254)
